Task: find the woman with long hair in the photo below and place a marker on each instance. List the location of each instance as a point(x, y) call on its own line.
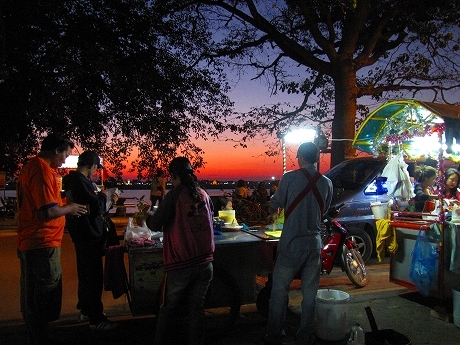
point(186, 218)
point(426, 178)
point(452, 177)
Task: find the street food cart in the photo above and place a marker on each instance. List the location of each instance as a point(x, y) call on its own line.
point(418, 130)
point(239, 257)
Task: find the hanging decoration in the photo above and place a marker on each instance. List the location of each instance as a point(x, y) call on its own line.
point(402, 135)
point(441, 183)
point(415, 129)
point(412, 127)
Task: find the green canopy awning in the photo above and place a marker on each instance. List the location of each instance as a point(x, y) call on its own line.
point(398, 122)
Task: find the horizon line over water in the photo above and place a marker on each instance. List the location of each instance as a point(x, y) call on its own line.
point(234, 179)
point(136, 193)
point(132, 194)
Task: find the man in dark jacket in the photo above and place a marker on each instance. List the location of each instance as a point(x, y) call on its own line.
point(89, 237)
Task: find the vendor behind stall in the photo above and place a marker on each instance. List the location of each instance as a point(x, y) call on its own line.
point(426, 178)
point(452, 177)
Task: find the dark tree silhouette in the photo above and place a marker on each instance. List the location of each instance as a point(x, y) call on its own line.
point(334, 52)
point(113, 75)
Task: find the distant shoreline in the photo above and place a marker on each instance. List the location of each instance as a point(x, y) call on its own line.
point(204, 184)
point(207, 184)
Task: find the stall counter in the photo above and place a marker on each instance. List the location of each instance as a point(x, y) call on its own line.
point(448, 270)
point(239, 256)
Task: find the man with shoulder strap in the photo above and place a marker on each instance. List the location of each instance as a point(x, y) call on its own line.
point(305, 195)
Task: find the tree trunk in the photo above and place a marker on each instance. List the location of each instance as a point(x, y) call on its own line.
point(343, 125)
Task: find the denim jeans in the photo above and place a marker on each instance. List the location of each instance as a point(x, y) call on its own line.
point(287, 265)
point(41, 290)
point(185, 288)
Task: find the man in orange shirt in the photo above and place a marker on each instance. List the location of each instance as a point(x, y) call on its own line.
point(40, 229)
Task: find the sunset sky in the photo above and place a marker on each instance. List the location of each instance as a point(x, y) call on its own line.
point(224, 162)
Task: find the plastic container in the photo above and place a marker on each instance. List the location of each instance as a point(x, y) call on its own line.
point(429, 206)
point(456, 306)
point(227, 215)
point(456, 214)
point(379, 210)
point(356, 336)
point(331, 316)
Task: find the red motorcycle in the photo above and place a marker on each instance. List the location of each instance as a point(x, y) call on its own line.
point(337, 248)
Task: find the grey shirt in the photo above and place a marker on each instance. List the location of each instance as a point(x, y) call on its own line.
point(301, 230)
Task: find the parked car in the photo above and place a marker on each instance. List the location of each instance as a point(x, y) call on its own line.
point(358, 182)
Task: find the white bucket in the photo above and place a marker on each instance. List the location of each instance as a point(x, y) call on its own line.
point(331, 315)
point(456, 306)
point(379, 210)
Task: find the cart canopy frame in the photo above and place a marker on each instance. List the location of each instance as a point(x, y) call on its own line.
point(398, 122)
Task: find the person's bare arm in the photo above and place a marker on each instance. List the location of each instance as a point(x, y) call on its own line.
point(71, 208)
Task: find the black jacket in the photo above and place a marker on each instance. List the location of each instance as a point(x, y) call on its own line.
point(89, 227)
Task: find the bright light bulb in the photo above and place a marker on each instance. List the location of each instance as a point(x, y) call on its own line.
point(300, 136)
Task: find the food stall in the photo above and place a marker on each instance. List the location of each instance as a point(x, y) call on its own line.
point(418, 131)
point(239, 257)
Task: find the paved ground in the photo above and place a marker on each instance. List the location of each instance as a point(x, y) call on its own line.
point(393, 307)
point(405, 313)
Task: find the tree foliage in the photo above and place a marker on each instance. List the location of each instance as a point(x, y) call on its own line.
point(116, 76)
point(335, 53)
point(145, 77)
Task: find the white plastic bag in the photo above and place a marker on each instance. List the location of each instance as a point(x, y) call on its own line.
point(133, 231)
point(398, 180)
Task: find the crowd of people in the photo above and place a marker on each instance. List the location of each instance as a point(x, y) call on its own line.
point(259, 194)
point(249, 206)
point(188, 246)
point(426, 191)
point(185, 216)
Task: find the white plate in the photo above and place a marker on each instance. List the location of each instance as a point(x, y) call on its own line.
point(235, 227)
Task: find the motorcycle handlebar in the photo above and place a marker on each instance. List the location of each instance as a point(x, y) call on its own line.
point(334, 210)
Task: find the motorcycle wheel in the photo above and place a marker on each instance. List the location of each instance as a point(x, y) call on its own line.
point(355, 267)
point(263, 300)
point(363, 242)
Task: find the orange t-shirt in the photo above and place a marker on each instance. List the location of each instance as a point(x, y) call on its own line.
point(38, 188)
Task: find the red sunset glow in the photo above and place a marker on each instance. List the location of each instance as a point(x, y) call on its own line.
point(225, 162)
